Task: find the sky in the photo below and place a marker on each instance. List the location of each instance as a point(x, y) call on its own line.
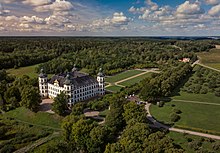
point(109, 18)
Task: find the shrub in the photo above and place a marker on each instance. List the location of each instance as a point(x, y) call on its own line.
point(161, 103)
point(204, 91)
point(216, 146)
point(174, 117)
point(177, 111)
point(195, 145)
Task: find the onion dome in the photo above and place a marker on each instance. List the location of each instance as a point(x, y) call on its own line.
point(74, 68)
point(67, 79)
point(42, 74)
point(100, 74)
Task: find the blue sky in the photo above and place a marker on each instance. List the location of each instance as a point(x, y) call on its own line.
point(110, 17)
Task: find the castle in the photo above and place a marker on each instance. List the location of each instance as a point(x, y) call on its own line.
point(77, 86)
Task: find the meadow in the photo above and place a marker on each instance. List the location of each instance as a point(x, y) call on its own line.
point(41, 119)
point(197, 116)
point(186, 142)
point(211, 58)
point(16, 135)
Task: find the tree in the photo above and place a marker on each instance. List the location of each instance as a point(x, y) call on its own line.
point(134, 111)
point(30, 98)
point(59, 105)
point(13, 92)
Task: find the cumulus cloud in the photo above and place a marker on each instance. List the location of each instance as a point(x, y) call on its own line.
point(215, 10)
point(37, 2)
point(153, 6)
point(190, 8)
point(58, 5)
point(212, 2)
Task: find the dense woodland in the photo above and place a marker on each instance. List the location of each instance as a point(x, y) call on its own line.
point(113, 54)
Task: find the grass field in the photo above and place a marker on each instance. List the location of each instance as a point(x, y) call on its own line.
point(211, 58)
point(182, 140)
point(114, 88)
point(209, 97)
point(135, 80)
point(122, 75)
point(40, 118)
point(28, 70)
point(199, 116)
point(16, 135)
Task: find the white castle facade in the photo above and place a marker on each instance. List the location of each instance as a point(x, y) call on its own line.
point(76, 85)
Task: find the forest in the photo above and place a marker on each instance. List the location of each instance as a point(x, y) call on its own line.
point(112, 54)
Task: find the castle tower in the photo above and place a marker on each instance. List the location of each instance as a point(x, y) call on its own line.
point(101, 81)
point(43, 86)
point(68, 88)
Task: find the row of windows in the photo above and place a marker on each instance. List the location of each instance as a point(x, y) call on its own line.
point(83, 98)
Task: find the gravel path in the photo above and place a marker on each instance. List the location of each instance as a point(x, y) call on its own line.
point(195, 102)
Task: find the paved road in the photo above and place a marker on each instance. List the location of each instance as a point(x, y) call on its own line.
point(195, 102)
point(159, 125)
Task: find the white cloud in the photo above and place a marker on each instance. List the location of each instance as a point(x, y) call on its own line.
point(58, 5)
point(37, 2)
point(153, 6)
point(32, 19)
point(212, 2)
point(215, 10)
point(190, 8)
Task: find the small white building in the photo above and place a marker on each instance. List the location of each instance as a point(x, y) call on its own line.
point(77, 86)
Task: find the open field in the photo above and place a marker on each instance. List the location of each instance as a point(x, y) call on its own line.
point(211, 58)
point(16, 135)
point(122, 75)
point(113, 88)
point(183, 141)
point(209, 97)
point(28, 70)
point(200, 116)
point(135, 80)
point(40, 118)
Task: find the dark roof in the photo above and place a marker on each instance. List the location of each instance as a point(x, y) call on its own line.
point(76, 78)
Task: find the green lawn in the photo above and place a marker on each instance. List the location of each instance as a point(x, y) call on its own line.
point(209, 97)
point(199, 116)
point(122, 75)
point(135, 80)
point(39, 118)
point(114, 88)
point(181, 139)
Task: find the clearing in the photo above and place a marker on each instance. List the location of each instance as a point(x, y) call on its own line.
point(211, 58)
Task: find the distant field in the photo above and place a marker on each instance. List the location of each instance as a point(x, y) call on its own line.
point(200, 116)
point(39, 118)
point(114, 88)
point(135, 80)
point(182, 140)
point(211, 58)
point(28, 70)
point(122, 75)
